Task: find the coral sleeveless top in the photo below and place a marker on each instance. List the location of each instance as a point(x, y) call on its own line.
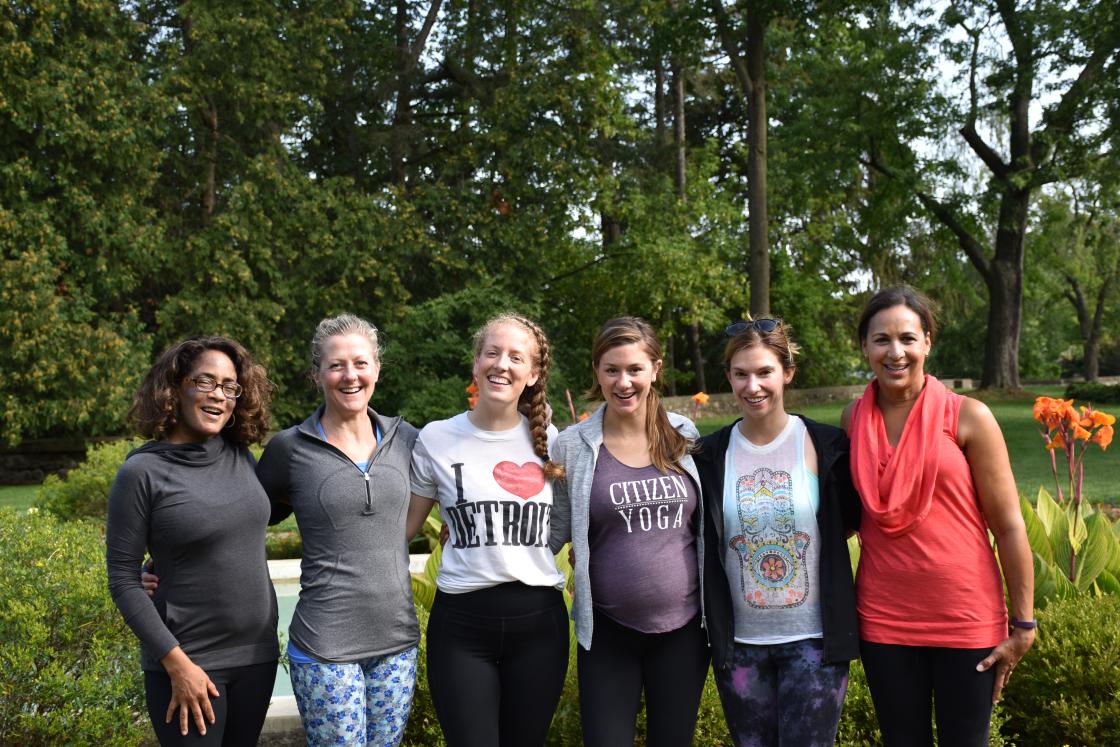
point(927, 573)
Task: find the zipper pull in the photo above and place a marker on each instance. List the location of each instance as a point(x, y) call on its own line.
point(368, 510)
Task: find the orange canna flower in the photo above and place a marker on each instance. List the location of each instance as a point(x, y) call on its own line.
point(584, 416)
point(1057, 442)
point(1053, 412)
point(1102, 418)
point(701, 398)
point(473, 389)
point(1103, 437)
point(1079, 433)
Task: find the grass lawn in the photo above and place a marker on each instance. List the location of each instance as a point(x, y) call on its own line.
point(17, 496)
point(1029, 460)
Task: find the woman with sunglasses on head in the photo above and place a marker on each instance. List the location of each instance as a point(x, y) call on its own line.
point(780, 598)
point(190, 499)
point(933, 473)
point(353, 639)
point(630, 504)
point(498, 631)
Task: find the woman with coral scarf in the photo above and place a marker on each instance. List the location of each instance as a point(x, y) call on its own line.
point(933, 474)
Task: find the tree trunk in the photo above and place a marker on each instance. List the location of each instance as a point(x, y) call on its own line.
point(1005, 293)
point(757, 208)
point(402, 113)
point(670, 351)
point(693, 332)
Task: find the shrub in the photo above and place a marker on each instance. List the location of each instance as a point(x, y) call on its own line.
point(1095, 394)
point(84, 492)
point(1065, 691)
point(69, 667)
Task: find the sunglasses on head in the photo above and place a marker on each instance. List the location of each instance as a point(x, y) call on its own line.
point(764, 326)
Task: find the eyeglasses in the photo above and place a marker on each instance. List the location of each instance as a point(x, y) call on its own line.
point(764, 326)
point(208, 384)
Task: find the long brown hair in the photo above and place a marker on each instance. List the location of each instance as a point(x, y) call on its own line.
point(666, 445)
point(155, 409)
point(534, 399)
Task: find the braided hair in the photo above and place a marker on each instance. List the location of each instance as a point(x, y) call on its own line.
point(534, 399)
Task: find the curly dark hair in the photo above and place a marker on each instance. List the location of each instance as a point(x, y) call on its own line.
point(155, 409)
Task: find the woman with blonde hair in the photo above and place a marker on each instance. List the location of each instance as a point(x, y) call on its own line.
point(497, 636)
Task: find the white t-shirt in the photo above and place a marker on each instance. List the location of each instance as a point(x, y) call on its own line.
point(494, 499)
point(770, 501)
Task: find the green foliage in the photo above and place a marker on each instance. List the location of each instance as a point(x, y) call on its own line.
point(1076, 550)
point(1094, 394)
point(1065, 690)
point(69, 667)
point(84, 492)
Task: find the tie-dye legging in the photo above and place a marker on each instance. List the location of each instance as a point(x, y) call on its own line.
point(782, 694)
point(364, 703)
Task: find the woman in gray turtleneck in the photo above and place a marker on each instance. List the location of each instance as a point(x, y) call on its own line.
point(190, 499)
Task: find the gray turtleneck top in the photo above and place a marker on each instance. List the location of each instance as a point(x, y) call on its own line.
point(201, 514)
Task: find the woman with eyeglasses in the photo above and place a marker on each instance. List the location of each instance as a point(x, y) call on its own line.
point(780, 599)
point(191, 500)
point(934, 477)
point(352, 643)
point(630, 504)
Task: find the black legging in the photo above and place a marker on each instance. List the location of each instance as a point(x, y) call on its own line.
point(670, 667)
point(239, 711)
point(496, 664)
point(905, 680)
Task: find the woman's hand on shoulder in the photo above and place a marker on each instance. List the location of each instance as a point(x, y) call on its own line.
point(191, 691)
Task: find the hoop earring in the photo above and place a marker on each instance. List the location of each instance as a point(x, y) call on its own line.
point(232, 421)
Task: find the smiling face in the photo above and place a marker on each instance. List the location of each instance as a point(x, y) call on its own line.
point(347, 374)
point(505, 366)
point(758, 381)
point(202, 415)
point(625, 374)
point(896, 346)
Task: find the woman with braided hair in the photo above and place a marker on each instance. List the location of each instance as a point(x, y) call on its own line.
point(630, 503)
point(498, 631)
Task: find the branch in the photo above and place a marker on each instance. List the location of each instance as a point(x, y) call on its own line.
point(1059, 120)
point(723, 23)
point(586, 266)
point(990, 158)
point(944, 213)
point(422, 39)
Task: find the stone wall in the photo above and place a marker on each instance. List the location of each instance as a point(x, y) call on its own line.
point(31, 461)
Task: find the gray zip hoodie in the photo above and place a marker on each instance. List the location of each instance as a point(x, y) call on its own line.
point(355, 599)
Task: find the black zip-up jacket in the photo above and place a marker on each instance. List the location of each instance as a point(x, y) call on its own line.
point(838, 513)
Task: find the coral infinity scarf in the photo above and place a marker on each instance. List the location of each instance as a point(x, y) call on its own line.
point(897, 488)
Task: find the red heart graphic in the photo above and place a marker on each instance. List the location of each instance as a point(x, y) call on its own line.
point(524, 481)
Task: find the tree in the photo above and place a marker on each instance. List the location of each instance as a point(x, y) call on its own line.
point(1067, 52)
point(1077, 232)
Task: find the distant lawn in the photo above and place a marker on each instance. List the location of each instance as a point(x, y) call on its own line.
point(1029, 461)
point(17, 496)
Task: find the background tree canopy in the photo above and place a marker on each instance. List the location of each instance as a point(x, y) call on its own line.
point(169, 169)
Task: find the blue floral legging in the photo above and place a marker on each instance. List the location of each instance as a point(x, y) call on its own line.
point(363, 703)
point(782, 694)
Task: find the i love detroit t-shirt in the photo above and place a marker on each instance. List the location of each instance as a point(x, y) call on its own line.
point(495, 501)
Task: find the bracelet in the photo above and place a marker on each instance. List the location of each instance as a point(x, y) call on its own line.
point(1024, 624)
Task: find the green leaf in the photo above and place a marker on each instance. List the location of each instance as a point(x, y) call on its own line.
point(1096, 551)
point(1048, 511)
point(1108, 583)
point(423, 590)
point(1059, 541)
point(1078, 533)
point(1036, 532)
point(431, 568)
point(1045, 586)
